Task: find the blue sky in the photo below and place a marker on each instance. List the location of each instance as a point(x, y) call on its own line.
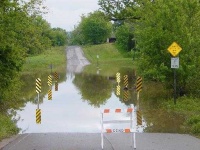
point(66, 13)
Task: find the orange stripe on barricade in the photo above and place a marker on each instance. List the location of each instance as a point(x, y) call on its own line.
point(118, 110)
point(129, 109)
point(108, 130)
point(127, 130)
point(106, 110)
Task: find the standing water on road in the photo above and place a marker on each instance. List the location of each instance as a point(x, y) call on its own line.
point(78, 100)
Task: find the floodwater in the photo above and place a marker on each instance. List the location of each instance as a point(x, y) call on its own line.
point(78, 100)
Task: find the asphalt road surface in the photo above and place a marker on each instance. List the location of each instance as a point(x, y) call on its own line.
point(75, 59)
point(112, 141)
point(92, 141)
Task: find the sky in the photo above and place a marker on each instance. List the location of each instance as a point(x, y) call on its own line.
point(67, 13)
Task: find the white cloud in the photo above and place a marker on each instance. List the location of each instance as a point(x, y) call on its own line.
point(66, 13)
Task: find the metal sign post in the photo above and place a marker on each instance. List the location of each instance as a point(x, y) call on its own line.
point(174, 86)
point(175, 65)
point(97, 61)
point(174, 50)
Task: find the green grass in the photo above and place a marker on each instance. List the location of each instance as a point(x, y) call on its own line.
point(189, 107)
point(156, 96)
point(109, 60)
point(55, 56)
point(8, 127)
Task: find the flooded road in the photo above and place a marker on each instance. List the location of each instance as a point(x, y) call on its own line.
point(66, 112)
point(77, 103)
point(72, 117)
point(80, 97)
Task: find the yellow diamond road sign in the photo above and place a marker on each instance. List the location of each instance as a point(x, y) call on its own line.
point(174, 49)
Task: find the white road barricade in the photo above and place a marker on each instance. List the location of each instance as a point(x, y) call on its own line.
point(126, 130)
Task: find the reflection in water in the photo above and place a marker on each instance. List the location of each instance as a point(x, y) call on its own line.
point(76, 106)
point(68, 111)
point(94, 89)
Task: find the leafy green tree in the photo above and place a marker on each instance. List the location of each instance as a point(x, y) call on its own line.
point(17, 31)
point(162, 23)
point(76, 37)
point(125, 38)
point(119, 10)
point(123, 13)
point(94, 28)
point(37, 35)
point(11, 52)
point(58, 37)
point(156, 25)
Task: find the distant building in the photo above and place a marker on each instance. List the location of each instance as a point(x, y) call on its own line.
point(111, 40)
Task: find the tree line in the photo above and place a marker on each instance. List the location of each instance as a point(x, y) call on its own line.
point(145, 29)
point(23, 32)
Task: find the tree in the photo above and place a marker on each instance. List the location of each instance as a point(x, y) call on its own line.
point(36, 35)
point(119, 9)
point(76, 37)
point(58, 37)
point(123, 13)
point(17, 31)
point(162, 23)
point(125, 38)
point(156, 25)
point(94, 28)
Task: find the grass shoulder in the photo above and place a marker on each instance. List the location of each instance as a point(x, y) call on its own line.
point(8, 127)
point(54, 57)
point(188, 107)
point(106, 58)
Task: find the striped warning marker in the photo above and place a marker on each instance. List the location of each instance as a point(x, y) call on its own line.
point(118, 77)
point(126, 95)
point(56, 86)
point(49, 82)
point(126, 81)
point(118, 90)
point(50, 95)
point(38, 85)
point(56, 76)
point(139, 117)
point(139, 84)
point(38, 116)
